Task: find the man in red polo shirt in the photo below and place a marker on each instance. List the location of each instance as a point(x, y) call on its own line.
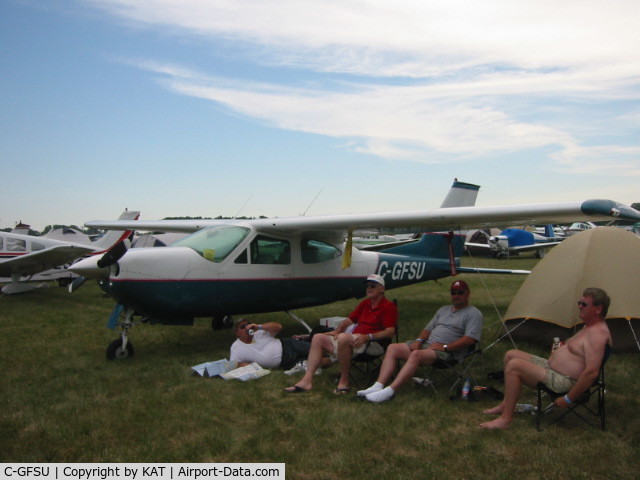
point(374, 318)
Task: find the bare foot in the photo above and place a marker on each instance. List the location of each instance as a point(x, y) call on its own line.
point(497, 424)
point(495, 410)
point(296, 389)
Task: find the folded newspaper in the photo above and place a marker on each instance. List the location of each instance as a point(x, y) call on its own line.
point(230, 370)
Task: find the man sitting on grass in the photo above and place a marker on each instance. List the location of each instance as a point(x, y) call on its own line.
point(257, 343)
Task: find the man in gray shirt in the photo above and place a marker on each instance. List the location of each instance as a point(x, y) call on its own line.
point(452, 330)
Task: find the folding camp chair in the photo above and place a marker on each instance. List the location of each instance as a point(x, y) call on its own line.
point(461, 368)
point(368, 366)
point(580, 406)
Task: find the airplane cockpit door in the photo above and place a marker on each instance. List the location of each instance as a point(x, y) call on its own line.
point(271, 270)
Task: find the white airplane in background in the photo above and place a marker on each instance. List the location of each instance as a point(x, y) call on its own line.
point(578, 227)
point(27, 258)
point(230, 267)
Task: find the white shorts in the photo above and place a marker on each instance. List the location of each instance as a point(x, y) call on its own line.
point(371, 348)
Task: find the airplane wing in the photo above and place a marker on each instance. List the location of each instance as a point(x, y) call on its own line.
point(36, 262)
point(520, 248)
point(485, 246)
point(440, 219)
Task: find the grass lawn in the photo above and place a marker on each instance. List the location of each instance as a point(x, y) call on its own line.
point(62, 401)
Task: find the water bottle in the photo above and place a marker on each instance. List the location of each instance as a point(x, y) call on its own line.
point(466, 388)
point(556, 343)
point(525, 407)
point(250, 331)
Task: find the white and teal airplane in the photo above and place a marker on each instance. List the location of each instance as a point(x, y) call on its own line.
point(229, 267)
point(25, 259)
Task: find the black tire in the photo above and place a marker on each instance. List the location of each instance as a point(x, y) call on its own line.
point(220, 322)
point(116, 352)
point(217, 323)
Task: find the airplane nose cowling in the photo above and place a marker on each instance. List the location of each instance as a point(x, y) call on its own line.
point(166, 263)
point(88, 267)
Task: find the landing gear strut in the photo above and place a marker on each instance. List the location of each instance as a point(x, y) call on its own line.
point(121, 348)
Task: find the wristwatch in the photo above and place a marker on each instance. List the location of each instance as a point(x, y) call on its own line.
point(446, 347)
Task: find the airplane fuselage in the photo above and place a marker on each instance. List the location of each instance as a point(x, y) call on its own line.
point(260, 274)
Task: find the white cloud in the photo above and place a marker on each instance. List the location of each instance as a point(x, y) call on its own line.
point(446, 80)
point(377, 37)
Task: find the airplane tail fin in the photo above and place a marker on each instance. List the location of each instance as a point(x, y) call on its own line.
point(113, 237)
point(461, 194)
point(549, 231)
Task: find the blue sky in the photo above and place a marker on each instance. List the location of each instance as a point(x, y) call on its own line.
point(207, 108)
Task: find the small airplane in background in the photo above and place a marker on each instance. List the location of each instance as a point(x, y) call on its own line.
point(512, 241)
point(230, 267)
point(26, 258)
point(578, 227)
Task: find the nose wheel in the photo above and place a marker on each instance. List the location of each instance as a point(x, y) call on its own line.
point(119, 350)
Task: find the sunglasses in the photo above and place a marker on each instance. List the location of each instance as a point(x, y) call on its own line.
point(582, 304)
point(458, 292)
point(372, 285)
point(243, 326)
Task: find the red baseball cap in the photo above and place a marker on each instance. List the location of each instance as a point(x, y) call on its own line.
point(461, 284)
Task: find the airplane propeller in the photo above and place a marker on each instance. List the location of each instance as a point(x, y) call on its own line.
point(114, 254)
point(93, 267)
point(77, 283)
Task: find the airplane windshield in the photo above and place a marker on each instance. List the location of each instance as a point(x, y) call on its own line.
point(215, 243)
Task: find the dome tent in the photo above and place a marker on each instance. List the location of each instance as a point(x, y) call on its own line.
point(546, 303)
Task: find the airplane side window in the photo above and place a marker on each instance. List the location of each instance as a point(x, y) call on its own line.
point(242, 258)
point(270, 251)
point(215, 243)
point(1, 244)
point(16, 245)
point(35, 246)
point(315, 251)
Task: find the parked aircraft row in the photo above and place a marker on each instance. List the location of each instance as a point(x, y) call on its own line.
point(229, 267)
point(25, 259)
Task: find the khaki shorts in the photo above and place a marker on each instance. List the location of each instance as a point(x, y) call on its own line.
point(371, 348)
point(444, 356)
point(554, 380)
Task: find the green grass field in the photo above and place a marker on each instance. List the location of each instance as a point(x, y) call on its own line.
point(62, 401)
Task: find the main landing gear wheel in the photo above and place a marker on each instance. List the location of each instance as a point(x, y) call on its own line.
point(115, 351)
point(220, 322)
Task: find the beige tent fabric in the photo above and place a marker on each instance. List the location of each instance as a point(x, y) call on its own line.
point(604, 257)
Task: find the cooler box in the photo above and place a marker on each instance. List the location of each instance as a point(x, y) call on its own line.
point(331, 322)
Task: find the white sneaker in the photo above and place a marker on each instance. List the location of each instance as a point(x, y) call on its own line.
point(381, 396)
point(376, 387)
point(299, 367)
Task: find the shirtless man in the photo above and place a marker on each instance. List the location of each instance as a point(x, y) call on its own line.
point(573, 367)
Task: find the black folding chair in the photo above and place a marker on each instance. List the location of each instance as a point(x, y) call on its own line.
point(580, 406)
point(459, 367)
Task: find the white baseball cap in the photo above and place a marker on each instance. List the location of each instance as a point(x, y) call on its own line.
point(376, 278)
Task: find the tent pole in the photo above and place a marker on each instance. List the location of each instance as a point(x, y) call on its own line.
point(635, 337)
